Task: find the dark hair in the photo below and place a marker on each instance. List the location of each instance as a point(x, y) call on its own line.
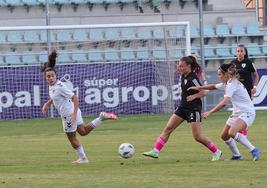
point(50, 65)
point(191, 60)
point(245, 48)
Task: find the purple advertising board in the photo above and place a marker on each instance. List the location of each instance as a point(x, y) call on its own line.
point(123, 88)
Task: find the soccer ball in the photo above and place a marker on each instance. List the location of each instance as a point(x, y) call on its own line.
point(126, 150)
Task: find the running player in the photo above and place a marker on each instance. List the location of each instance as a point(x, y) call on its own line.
point(243, 113)
point(189, 110)
point(66, 102)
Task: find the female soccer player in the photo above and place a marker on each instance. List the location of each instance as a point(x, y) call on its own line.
point(246, 71)
point(243, 113)
point(189, 109)
point(66, 102)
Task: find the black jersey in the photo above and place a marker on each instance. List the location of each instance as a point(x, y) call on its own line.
point(186, 82)
point(245, 68)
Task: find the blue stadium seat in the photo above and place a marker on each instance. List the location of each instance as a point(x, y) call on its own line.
point(222, 50)
point(158, 33)
point(95, 56)
point(253, 29)
point(112, 34)
point(175, 53)
point(96, 1)
point(60, 2)
point(195, 50)
point(264, 48)
point(63, 35)
point(14, 37)
point(12, 58)
point(254, 49)
point(111, 1)
point(142, 53)
point(13, 2)
point(159, 53)
point(127, 54)
point(78, 1)
point(193, 32)
point(80, 35)
point(111, 54)
point(233, 50)
point(43, 36)
point(31, 36)
point(209, 51)
point(29, 2)
point(127, 33)
point(176, 32)
point(43, 56)
point(222, 30)
point(29, 58)
point(2, 62)
point(2, 38)
point(96, 35)
point(238, 30)
point(208, 31)
point(79, 56)
point(63, 57)
point(144, 33)
point(3, 3)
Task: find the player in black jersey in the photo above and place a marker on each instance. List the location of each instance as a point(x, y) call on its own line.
point(246, 70)
point(189, 110)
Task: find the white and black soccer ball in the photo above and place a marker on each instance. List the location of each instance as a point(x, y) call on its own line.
point(126, 150)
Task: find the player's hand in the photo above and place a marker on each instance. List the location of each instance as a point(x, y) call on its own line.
point(193, 88)
point(45, 108)
point(205, 115)
point(190, 98)
point(253, 91)
point(73, 117)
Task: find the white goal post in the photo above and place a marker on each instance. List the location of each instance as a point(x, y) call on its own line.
point(125, 68)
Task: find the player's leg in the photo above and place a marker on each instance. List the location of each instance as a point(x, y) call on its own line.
point(78, 148)
point(231, 143)
point(199, 137)
point(85, 129)
point(171, 125)
point(241, 123)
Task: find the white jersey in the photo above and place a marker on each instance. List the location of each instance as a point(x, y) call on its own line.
point(62, 98)
point(241, 101)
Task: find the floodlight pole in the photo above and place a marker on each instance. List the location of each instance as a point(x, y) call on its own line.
point(48, 42)
point(200, 7)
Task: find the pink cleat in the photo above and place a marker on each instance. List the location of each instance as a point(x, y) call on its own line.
point(107, 115)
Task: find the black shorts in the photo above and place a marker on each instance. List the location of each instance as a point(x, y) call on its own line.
point(190, 115)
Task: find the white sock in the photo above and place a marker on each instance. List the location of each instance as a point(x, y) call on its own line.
point(233, 147)
point(95, 122)
point(244, 141)
point(80, 152)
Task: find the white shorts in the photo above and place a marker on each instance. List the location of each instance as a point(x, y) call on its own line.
point(72, 127)
point(248, 118)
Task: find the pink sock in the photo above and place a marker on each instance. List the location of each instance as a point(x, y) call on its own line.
point(212, 147)
point(159, 144)
point(244, 132)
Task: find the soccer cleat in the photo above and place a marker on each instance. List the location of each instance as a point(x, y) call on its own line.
point(216, 156)
point(80, 161)
point(237, 158)
point(107, 115)
point(255, 154)
point(152, 154)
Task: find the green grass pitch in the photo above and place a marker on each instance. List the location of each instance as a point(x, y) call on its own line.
point(36, 154)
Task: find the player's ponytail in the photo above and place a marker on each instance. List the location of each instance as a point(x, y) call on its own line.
point(50, 65)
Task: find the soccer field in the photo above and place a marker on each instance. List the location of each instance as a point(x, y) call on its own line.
point(36, 153)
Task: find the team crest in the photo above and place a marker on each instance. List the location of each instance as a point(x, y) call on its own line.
point(243, 65)
point(185, 81)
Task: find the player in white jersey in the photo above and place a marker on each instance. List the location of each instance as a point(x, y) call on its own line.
point(66, 102)
point(243, 113)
